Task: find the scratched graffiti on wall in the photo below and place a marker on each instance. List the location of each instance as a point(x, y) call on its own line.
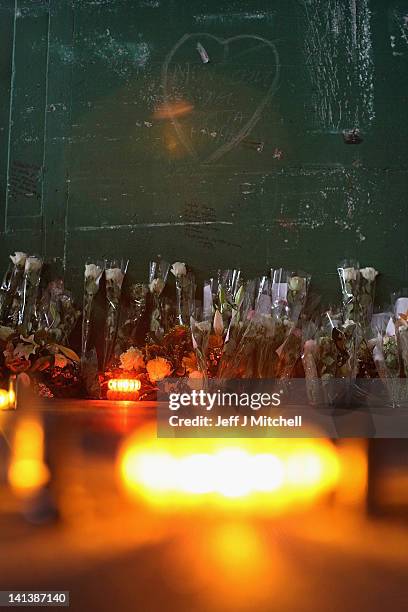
point(338, 54)
point(220, 114)
point(399, 29)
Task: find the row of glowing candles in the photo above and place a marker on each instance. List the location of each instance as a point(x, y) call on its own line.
point(179, 471)
point(257, 474)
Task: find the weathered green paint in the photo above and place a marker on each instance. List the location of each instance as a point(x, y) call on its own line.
point(92, 170)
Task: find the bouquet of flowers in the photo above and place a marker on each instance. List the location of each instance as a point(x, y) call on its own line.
point(158, 272)
point(226, 293)
point(11, 288)
point(131, 316)
point(185, 292)
point(297, 288)
point(386, 357)
point(200, 333)
point(174, 356)
point(52, 365)
point(57, 314)
point(349, 274)
point(367, 294)
point(358, 289)
point(114, 274)
point(31, 282)
point(309, 360)
point(279, 291)
point(93, 273)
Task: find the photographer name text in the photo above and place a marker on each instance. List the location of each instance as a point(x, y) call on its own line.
point(236, 420)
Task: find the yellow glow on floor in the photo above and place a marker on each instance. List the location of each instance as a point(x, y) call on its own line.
point(247, 472)
point(27, 471)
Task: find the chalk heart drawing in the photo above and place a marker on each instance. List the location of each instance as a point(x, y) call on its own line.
point(245, 129)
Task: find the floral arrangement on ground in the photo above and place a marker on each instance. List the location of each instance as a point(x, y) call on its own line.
point(268, 327)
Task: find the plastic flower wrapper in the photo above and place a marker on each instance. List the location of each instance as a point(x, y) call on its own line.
point(298, 286)
point(263, 297)
point(57, 314)
point(31, 282)
point(403, 347)
point(131, 316)
point(158, 272)
point(366, 295)
point(349, 274)
point(11, 293)
point(92, 276)
point(309, 360)
point(289, 352)
point(200, 333)
point(114, 274)
point(225, 290)
point(185, 292)
point(255, 352)
point(279, 291)
point(348, 339)
point(5, 293)
point(386, 355)
point(243, 315)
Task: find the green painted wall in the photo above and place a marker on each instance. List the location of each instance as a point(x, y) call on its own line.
point(249, 169)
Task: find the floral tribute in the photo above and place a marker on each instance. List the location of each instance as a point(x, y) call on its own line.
point(135, 335)
point(35, 328)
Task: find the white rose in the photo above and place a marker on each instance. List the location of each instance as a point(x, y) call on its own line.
point(369, 274)
point(115, 275)
point(132, 359)
point(18, 258)
point(156, 286)
point(349, 274)
point(296, 283)
point(178, 269)
point(92, 271)
point(348, 322)
point(33, 264)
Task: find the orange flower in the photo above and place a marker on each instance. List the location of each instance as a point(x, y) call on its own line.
point(158, 368)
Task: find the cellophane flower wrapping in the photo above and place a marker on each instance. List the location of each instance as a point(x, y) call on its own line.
point(349, 275)
point(289, 352)
point(297, 288)
point(200, 333)
point(31, 282)
point(358, 292)
point(388, 361)
point(225, 289)
point(185, 292)
point(57, 314)
point(309, 355)
point(366, 295)
point(114, 275)
point(251, 351)
point(5, 292)
point(158, 273)
point(132, 314)
point(92, 276)
point(11, 294)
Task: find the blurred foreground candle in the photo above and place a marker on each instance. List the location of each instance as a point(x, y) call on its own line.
point(8, 397)
point(27, 471)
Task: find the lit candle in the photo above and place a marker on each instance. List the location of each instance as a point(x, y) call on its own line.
point(123, 388)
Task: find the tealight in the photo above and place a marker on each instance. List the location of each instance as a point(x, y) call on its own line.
point(124, 389)
point(124, 385)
